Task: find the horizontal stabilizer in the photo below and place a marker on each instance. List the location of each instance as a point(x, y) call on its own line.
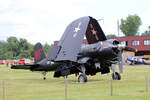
point(26, 67)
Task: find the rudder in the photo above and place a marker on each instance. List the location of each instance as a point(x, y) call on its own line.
point(39, 53)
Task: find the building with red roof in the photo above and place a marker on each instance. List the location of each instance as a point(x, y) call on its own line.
point(141, 43)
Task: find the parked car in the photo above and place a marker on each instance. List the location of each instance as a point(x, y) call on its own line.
point(2, 61)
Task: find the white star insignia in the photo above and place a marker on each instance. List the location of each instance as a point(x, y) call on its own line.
point(76, 29)
point(94, 32)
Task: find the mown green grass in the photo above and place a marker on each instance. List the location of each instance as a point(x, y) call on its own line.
point(27, 85)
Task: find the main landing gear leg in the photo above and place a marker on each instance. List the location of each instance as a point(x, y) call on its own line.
point(115, 75)
point(44, 74)
point(82, 77)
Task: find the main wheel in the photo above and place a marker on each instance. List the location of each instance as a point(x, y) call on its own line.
point(44, 78)
point(116, 76)
point(82, 78)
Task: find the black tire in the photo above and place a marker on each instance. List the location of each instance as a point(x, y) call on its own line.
point(116, 76)
point(82, 78)
point(44, 78)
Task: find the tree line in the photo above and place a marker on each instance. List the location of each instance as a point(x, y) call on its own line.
point(15, 48)
point(130, 27)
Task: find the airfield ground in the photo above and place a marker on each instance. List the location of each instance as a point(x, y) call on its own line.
point(27, 85)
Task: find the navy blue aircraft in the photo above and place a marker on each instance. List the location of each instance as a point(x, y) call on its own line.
point(71, 56)
point(136, 60)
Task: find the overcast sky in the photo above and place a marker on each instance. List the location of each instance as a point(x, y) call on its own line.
point(45, 20)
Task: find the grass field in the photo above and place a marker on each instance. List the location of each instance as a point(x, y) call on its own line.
point(27, 85)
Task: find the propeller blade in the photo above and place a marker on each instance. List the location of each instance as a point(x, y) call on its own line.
point(113, 68)
point(130, 49)
point(119, 48)
point(126, 48)
point(120, 63)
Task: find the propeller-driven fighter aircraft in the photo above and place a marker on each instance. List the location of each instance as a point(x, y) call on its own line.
point(71, 56)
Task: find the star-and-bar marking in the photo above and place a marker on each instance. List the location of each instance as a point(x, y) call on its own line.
point(76, 30)
point(94, 32)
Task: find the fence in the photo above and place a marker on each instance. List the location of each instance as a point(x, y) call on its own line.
point(27, 85)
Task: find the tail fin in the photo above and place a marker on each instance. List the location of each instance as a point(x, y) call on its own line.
point(39, 53)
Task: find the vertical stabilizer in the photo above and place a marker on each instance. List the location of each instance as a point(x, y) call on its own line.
point(39, 53)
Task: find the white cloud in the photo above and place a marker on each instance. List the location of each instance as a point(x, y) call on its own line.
point(4, 4)
point(45, 20)
point(145, 17)
point(36, 20)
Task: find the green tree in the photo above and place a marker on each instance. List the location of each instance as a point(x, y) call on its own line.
point(16, 49)
point(130, 25)
point(47, 48)
point(111, 36)
point(12, 47)
point(25, 49)
point(147, 32)
point(3, 50)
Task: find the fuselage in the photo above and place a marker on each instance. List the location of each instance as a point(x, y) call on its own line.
point(100, 50)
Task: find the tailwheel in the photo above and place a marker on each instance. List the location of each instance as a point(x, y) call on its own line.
point(44, 74)
point(82, 78)
point(116, 76)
